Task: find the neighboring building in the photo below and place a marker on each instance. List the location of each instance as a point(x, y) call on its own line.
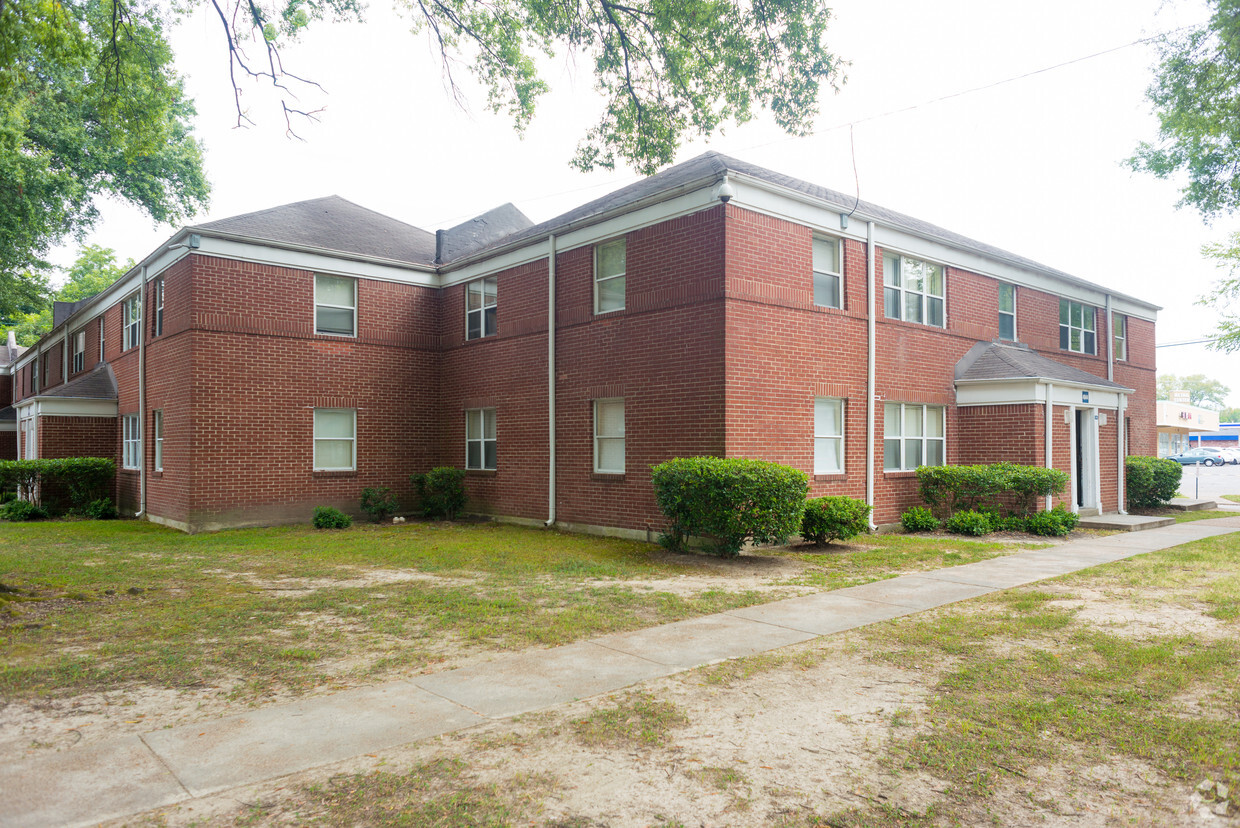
point(255, 367)
point(9, 352)
point(1178, 421)
point(1227, 435)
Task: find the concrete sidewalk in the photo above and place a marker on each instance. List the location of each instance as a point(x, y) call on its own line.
point(127, 775)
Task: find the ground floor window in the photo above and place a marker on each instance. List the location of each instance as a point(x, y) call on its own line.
point(913, 435)
point(335, 439)
point(828, 435)
point(131, 444)
point(480, 444)
point(157, 421)
point(609, 436)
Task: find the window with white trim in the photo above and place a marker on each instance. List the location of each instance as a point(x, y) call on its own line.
point(480, 445)
point(610, 262)
point(828, 435)
point(1007, 312)
point(481, 299)
point(335, 305)
point(101, 342)
point(913, 290)
point(335, 439)
point(1119, 337)
point(1077, 327)
point(828, 273)
point(609, 436)
point(157, 430)
point(79, 351)
point(131, 442)
point(131, 309)
point(34, 375)
point(159, 306)
point(913, 435)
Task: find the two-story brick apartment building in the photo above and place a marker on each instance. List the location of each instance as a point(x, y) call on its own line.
point(255, 367)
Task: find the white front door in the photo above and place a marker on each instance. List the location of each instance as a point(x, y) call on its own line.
point(1085, 469)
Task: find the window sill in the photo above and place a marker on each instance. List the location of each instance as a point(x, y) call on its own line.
point(899, 472)
point(607, 477)
point(480, 472)
point(126, 470)
point(833, 476)
point(324, 473)
point(347, 337)
point(910, 323)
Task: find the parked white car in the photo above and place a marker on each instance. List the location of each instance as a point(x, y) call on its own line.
point(1231, 455)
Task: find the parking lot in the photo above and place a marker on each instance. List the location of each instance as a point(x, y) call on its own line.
point(1214, 482)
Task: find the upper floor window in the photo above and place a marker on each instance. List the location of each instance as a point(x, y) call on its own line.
point(828, 435)
point(913, 435)
point(1076, 327)
point(79, 351)
point(609, 265)
point(827, 273)
point(1007, 312)
point(609, 436)
point(34, 375)
point(480, 439)
point(131, 310)
point(335, 439)
point(335, 305)
point(481, 298)
point(101, 341)
point(131, 446)
point(159, 306)
point(1119, 337)
point(913, 290)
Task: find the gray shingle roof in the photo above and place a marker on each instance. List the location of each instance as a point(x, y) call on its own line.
point(480, 231)
point(99, 384)
point(8, 413)
point(995, 362)
point(331, 223)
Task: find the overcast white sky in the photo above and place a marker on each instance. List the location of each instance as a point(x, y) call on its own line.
point(1033, 166)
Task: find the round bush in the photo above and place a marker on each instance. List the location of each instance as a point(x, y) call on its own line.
point(969, 522)
point(21, 510)
point(1151, 481)
point(379, 503)
point(101, 509)
point(919, 519)
point(834, 518)
point(1057, 522)
point(325, 517)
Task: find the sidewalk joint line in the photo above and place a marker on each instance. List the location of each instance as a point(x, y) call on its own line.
point(165, 765)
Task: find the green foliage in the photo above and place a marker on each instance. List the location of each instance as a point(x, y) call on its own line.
point(1057, 522)
point(90, 108)
point(21, 510)
point(919, 519)
point(729, 501)
point(70, 483)
point(327, 517)
point(969, 522)
point(441, 492)
point(379, 503)
point(949, 489)
point(1201, 390)
point(1151, 481)
point(834, 518)
point(1225, 298)
point(94, 269)
point(101, 509)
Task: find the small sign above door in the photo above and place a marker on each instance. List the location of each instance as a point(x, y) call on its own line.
point(1084, 396)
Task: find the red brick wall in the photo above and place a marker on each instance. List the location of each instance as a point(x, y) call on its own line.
point(1001, 433)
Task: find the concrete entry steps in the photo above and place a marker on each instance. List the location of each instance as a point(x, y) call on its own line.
point(116, 778)
point(1124, 523)
point(1187, 504)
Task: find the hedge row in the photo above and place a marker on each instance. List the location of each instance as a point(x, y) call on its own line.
point(951, 489)
point(69, 484)
point(1152, 481)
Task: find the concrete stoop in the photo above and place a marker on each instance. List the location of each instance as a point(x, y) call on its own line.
point(1124, 523)
point(1187, 504)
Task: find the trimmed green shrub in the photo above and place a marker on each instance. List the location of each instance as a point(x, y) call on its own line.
point(919, 519)
point(1056, 522)
point(1152, 481)
point(729, 501)
point(440, 492)
point(21, 510)
point(950, 489)
point(101, 509)
point(1011, 523)
point(71, 483)
point(379, 503)
point(969, 522)
point(326, 517)
point(834, 518)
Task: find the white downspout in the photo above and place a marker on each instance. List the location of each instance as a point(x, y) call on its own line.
point(550, 380)
point(1050, 433)
point(142, 322)
point(1110, 343)
point(1120, 441)
point(871, 390)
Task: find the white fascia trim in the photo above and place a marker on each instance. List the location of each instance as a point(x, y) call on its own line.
point(316, 260)
point(7, 425)
point(801, 208)
point(694, 201)
point(68, 407)
point(1015, 392)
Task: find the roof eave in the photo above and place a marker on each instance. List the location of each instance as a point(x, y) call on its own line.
point(1118, 389)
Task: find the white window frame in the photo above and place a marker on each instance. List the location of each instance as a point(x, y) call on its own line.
point(824, 277)
point(1119, 337)
point(903, 439)
point(1087, 330)
point(157, 431)
point(599, 438)
point(131, 320)
point(599, 278)
point(79, 351)
point(28, 442)
point(351, 440)
point(34, 375)
point(101, 340)
point(896, 283)
point(1009, 313)
point(482, 415)
point(479, 287)
point(317, 304)
point(822, 438)
point(131, 442)
point(159, 306)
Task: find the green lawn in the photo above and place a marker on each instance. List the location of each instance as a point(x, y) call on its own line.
point(289, 608)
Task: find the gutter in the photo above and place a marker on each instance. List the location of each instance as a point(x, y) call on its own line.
point(871, 389)
point(1050, 433)
point(550, 381)
point(142, 323)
